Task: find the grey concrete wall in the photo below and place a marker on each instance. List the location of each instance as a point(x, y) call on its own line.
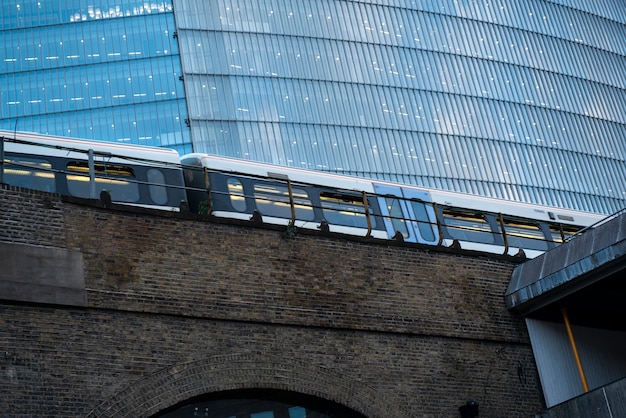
point(32, 273)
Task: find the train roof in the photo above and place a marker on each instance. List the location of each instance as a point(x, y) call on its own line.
point(50, 145)
point(299, 175)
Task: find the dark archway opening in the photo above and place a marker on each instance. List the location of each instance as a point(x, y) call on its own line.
point(258, 403)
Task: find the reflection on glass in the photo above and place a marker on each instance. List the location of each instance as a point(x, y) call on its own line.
point(342, 209)
point(467, 226)
point(273, 200)
point(350, 98)
point(274, 404)
point(30, 173)
point(112, 76)
point(235, 192)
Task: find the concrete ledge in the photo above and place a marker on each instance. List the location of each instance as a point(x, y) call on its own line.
point(49, 275)
point(604, 402)
point(568, 266)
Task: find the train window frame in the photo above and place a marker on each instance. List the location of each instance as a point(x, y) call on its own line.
point(568, 231)
point(101, 168)
point(469, 226)
point(32, 168)
point(344, 209)
point(273, 200)
point(523, 233)
point(117, 179)
point(236, 194)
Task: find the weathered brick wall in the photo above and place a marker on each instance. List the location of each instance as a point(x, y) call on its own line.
point(30, 217)
point(179, 307)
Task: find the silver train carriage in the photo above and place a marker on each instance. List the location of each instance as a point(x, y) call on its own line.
point(134, 175)
point(299, 198)
point(153, 177)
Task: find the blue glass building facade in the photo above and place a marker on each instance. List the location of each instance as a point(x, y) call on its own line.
point(522, 100)
point(96, 69)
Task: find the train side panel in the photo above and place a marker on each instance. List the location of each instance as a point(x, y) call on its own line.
point(407, 212)
point(241, 189)
point(395, 211)
point(142, 176)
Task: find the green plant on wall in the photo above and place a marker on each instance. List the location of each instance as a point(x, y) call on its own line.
point(290, 231)
point(203, 207)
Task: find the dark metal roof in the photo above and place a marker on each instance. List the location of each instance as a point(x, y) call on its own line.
point(584, 275)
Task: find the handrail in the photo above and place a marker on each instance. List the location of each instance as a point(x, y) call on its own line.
point(439, 224)
point(1, 159)
point(503, 231)
point(439, 220)
point(207, 185)
point(291, 202)
point(367, 215)
point(596, 224)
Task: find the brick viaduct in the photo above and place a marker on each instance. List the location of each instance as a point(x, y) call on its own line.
point(176, 306)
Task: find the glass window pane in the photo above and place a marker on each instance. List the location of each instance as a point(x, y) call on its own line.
point(396, 216)
point(344, 209)
point(118, 180)
point(29, 172)
point(467, 226)
point(273, 200)
point(156, 188)
point(235, 192)
point(524, 234)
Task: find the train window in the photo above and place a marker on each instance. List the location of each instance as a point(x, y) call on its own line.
point(467, 226)
point(30, 173)
point(156, 182)
point(235, 191)
point(101, 169)
point(524, 234)
point(423, 221)
point(116, 179)
point(273, 200)
point(396, 217)
point(344, 209)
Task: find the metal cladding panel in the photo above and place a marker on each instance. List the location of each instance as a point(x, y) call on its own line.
point(601, 354)
point(491, 110)
point(555, 363)
point(61, 75)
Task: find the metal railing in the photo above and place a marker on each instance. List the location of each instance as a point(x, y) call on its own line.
point(443, 224)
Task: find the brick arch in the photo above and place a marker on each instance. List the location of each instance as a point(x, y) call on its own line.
point(176, 384)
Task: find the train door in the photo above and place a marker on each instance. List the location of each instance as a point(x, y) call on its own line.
point(394, 211)
point(422, 216)
point(406, 213)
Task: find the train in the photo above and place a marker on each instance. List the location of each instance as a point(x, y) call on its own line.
point(297, 199)
point(131, 174)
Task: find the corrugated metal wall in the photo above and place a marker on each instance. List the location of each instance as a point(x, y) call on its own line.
point(602, 354)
